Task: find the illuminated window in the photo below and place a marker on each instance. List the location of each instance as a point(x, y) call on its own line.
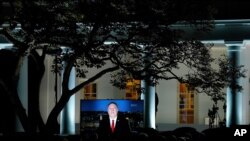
point(133, 88)
point(90, 91)
point(186, 104)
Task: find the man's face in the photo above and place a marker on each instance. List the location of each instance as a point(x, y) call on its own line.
point(112, 110)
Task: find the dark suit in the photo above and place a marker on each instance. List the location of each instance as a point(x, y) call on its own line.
point(121, 133)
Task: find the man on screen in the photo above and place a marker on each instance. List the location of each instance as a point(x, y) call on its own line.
point(114, 127)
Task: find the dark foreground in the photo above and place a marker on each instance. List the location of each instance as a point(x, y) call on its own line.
point(240, 133)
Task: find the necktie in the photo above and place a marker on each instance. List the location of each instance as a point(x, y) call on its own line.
point(113, 125)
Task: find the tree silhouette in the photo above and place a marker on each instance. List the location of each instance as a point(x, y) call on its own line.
point(136, 37)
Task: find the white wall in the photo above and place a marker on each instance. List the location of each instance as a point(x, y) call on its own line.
point(47, 93)
point(244, 60)
point(167, 107)
point(167, 93)
point(204, 101)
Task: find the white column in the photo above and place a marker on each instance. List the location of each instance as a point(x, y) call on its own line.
point(67, 118)
point(234, 113)
point(149, 103)
point(22, 90)
point(148, 93)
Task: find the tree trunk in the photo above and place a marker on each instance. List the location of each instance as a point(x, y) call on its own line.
point(36, 71)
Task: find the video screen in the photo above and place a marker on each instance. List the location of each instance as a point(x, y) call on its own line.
point(92, 112)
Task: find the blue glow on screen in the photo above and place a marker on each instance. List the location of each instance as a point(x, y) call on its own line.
point(100, 105)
